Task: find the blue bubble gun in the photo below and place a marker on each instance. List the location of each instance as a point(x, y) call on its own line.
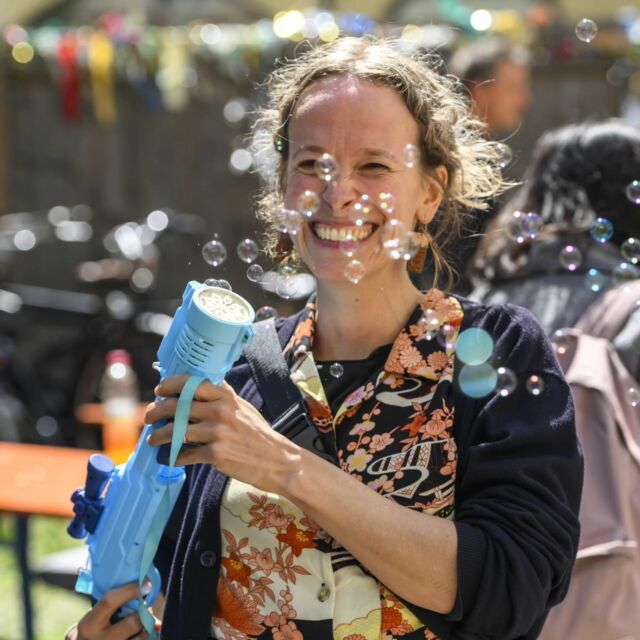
point(207, 335)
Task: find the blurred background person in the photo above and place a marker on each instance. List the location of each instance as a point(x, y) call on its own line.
point(496, 74)
point(566, 272)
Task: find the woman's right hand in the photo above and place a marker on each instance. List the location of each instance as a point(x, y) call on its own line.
point(96, 623)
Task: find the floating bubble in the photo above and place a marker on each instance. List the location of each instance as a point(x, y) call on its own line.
point(632, 396)
point(570, 257)
point(214, 253)
point(348, 246)
point(630, 250)
point(326, 167)
point(506, 382)
point(410, 156)
point(288, 221)
point(625, 272)
point(336, 370)
point(255, 273)
point(633, 191)
point(504, 154)
point(221, 284)
point(387, 202)
point(248, 250)
point(354, 271)
point(524, 226)
point(446, 336)
point(595, 280)
point(561, 341)
point(394, 237)
point(477, 381)
point(586, 30)
point(286, 270)
point(287, 288)
point(308, 203)
point(429, 324)
point(601, 230)
point(265, 313)
point(362, 208)
point(534, 385)
point(474, 346)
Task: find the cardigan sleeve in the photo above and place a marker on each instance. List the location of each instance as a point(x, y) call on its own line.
point(518, 489)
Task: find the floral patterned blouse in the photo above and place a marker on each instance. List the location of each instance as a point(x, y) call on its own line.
point(282, 576)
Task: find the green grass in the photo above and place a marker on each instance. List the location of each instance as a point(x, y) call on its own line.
point(54, 608)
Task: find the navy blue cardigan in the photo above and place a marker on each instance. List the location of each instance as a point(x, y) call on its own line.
point(518, 490)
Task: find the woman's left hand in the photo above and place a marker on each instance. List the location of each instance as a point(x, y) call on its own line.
point(232, 435)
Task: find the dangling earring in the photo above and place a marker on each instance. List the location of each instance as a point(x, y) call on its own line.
point(284, 248)
point(422, 238)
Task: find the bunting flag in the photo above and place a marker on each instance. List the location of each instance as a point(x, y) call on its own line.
point(101, 62)
point(69, 77)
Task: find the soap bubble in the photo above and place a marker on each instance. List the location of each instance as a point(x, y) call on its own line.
point(336, 370)
point(287, 288)
point(410, 156)
point(446, 336)
point(595, 280)
point(354, 271)
point(308, 203)
point(631, 250)
point(214, 253)
point(506, 382)
point(429, 324)
point(474, 346)
point(394, 237)
point(248, 250)
point(348, 246)
point(326, 167)
point(561, 340)
point(477, 381)
point(288, 221)
point(504, 154)
point(570, 257)
point(632, 396)
point(601, 230)
point(255, 273)
point(524, 226)
point(387, 202)
point(625, 272)
point(221, 284)
point(586, 30)
point(266, 312)
point(362, 208)
point(535, 385)
point(633, 191)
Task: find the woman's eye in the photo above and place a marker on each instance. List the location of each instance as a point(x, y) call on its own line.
point(306, 166)
point(375, 166)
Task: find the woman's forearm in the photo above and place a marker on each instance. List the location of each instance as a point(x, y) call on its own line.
point(411, 553)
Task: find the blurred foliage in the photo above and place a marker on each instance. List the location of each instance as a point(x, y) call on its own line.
point(54, 608)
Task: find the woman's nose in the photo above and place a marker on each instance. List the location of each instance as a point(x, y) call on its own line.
point(340, 195)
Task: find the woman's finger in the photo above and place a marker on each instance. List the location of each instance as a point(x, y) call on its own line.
point(125, 628)
point(173, 385)
point(114, 599)
point(166, 409)
point(196, 433)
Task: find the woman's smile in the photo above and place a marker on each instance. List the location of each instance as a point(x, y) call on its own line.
point(333, 234)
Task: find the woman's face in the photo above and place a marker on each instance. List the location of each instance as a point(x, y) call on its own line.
point(365, 128)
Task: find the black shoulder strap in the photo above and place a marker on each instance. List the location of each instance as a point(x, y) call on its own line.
point(271, 373)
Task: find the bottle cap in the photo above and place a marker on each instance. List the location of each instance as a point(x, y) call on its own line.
point(118, 355)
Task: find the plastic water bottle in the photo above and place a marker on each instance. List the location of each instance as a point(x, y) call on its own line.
point(120, 398)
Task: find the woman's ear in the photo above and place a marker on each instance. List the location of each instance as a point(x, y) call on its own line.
point(435, 184)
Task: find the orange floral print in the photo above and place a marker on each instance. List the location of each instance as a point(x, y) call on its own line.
point(297, 539)
point(237, 608)
point(237, 571)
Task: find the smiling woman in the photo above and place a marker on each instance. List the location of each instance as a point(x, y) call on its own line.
point(435, 511)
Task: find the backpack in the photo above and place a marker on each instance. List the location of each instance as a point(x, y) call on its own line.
point(603, 600)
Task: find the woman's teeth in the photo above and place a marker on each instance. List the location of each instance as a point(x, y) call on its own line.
point(342, 234)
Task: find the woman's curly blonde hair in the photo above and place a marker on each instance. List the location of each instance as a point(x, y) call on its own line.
point(450, 135)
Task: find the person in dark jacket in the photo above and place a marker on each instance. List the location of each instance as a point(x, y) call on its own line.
point(579, 173)
point(450, 507)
